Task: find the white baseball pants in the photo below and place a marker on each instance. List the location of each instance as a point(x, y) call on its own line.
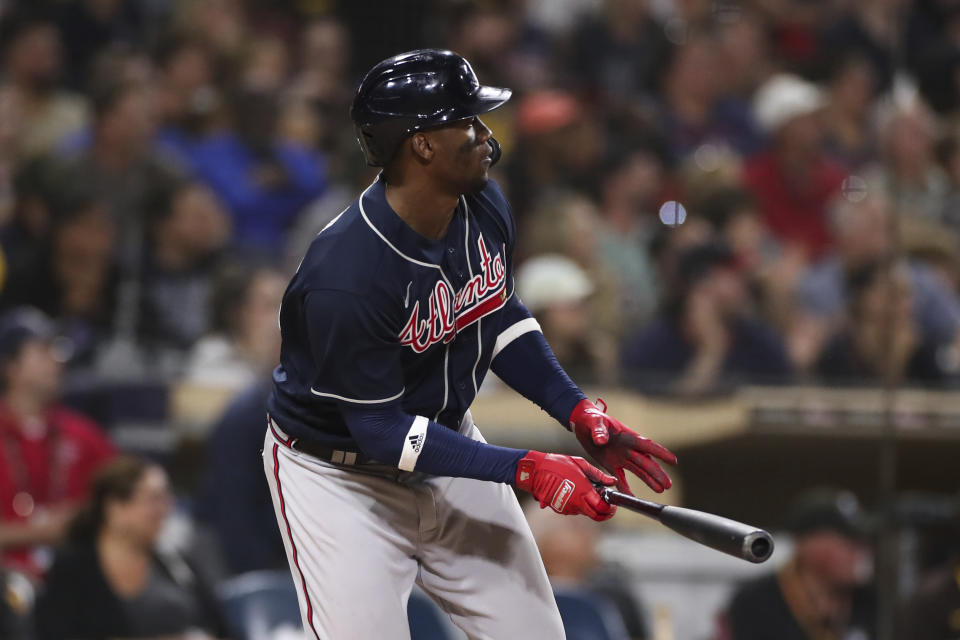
point(359, 537)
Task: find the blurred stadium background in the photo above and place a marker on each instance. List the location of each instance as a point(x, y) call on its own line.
point(739, 224)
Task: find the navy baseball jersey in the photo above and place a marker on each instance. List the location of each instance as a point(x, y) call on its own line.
point(378, 314)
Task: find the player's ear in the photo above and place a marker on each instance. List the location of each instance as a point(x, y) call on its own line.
point(421, 146)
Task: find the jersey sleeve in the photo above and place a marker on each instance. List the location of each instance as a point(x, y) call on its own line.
point(355, 349)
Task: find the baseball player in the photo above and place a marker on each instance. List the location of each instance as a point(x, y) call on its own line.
point(400, 307)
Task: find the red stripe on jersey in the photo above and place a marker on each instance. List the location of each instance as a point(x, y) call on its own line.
point(293, 546)
point(488, 306)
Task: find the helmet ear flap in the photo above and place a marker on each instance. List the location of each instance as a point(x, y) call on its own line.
point(371, 148)
point(379, 142)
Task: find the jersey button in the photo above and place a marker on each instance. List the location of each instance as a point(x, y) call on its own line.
point(462, 385)
point(460, 275)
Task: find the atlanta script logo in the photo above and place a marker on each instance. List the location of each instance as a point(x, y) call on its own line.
point(447, 313)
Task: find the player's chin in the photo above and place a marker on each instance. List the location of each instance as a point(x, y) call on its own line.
point(479, 183)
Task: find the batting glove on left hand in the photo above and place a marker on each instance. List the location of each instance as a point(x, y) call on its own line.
point(616, 447)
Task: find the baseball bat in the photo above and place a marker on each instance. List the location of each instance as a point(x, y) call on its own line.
point(723, 534)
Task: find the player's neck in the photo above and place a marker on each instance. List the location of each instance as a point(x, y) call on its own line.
point(424, 209)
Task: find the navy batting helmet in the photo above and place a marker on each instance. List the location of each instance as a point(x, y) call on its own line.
point(414, 91)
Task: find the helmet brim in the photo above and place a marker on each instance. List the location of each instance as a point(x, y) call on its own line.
point(492, 97)
point(484, 100)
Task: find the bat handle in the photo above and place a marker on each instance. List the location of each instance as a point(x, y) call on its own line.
point(616, 498)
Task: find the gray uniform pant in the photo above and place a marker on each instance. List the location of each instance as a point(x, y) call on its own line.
point(359, 537)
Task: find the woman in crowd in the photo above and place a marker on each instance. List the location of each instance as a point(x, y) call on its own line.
point(112, 580)
point(245, 338)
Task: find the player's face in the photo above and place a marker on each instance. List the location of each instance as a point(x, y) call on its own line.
point(463, 154)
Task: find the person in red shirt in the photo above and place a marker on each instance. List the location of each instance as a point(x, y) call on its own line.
point(794, 180)
point(48, 453)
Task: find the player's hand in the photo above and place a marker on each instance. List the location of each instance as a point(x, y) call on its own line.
point(567, 484)
point(616, 447)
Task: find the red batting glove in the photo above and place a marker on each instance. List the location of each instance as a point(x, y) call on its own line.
point(565, 483)
point(616, 447)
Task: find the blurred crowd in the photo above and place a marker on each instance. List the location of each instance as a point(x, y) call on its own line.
point(708, 192)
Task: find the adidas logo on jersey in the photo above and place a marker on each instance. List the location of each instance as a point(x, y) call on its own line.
point(416, 441)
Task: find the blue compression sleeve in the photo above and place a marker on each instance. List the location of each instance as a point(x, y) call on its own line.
point(526, 362)
point(392, 436)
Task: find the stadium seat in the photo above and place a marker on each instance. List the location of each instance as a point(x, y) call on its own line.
point(588, 617)
point(258, 603)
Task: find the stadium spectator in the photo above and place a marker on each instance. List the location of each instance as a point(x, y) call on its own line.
point(223, 24)
point(616, 52)
point(881, 340)
point(75, 279)
point(556, 291)
point(113, 580)
point(486, 35)
point(10, 124)
point(30, 67)
point(822, 591)
point(558, 146)
point(26, 233)
point(930, 612)
point(265, 64)
point(744, 53)
point(704, 338)
point(89, 27)
point(872, 29)
point(324, 63)
point(16, 606)
point(772, 272)
point(244, 337)
point(908, 173)
point(49, 453)
point(264, 183)
point(864, 235)
point(187, 229)
point(567, 224)
point(629, 196)
point(694, 109)
point(323, 82)
point(733, 214)
point(116, 66)
point(669, 243)
point(793, 180)
point(188, 100)
point(233, 494)
point(121, 163)
point(948, 155)
point(848, 136)
point(939, 58)
point(569, 548)
point(795, 30)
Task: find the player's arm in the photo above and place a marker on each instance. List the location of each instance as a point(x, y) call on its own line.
point(358, 358)
point(523, 359)
point(414, 443)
